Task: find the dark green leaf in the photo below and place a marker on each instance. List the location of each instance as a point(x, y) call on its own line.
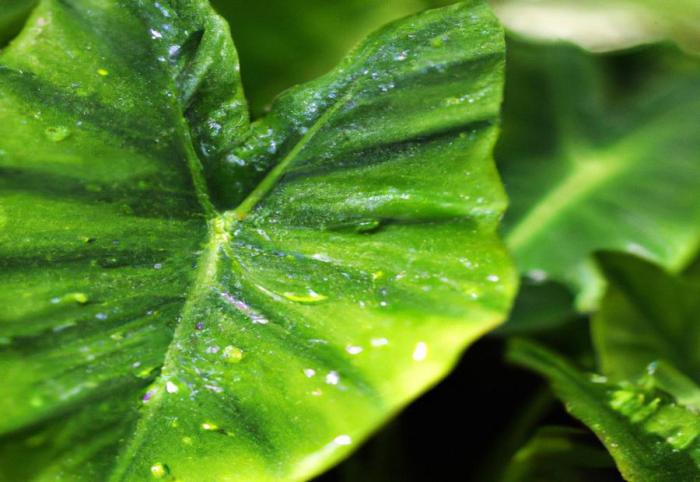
point(283, 42)
point(561, 453)
point(12, 14)
point(651, 437)
point(539, 307)
point(150, 329)
point(648, 320)
point(593, 163)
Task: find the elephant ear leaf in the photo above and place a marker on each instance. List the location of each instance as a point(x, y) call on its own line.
point(188, 296)
point(582, 169)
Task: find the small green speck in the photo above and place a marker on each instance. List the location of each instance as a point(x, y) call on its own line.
point(103, 72)
point(232, 354)
point(436, 42)
point(78, 297)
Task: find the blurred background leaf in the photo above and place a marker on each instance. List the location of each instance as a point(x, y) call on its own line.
point(599, 152)
point(562, 453)
point(282, 43)
point(647, 317)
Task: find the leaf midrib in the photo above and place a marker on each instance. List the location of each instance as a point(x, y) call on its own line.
point(219, 224)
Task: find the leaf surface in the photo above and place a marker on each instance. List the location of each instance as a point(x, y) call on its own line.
point(591, 163)
point(188, 296)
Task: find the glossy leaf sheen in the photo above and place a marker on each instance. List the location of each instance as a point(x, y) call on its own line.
point(346, 255)
point(651, 436)
point(586, 171)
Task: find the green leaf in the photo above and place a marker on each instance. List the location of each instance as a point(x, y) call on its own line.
point(185, 296)
point(603, 25)
point(651, 437)
point(539, 307)
point(581, 156)
point(647, 321)
point(561, 453)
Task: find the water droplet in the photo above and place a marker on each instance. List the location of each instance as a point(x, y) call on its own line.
point(170, 387)
point(309, 372)
point(332, 378)
point(101, 316)
point(342, 440)
point(57, 133)
point(493, 278)
point(155, 34)
point(420, 352)
point(232, 354)
point(103, 72)
point(401, 56)
point(158, 265)
point(353, 349)
point(377, 342)
point(159, 470)
point(310, 297)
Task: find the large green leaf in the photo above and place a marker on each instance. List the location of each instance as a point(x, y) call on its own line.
point(592, 162)
point(651, 436)
point(342, 257)
point(648, 322)
point(602, 25)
